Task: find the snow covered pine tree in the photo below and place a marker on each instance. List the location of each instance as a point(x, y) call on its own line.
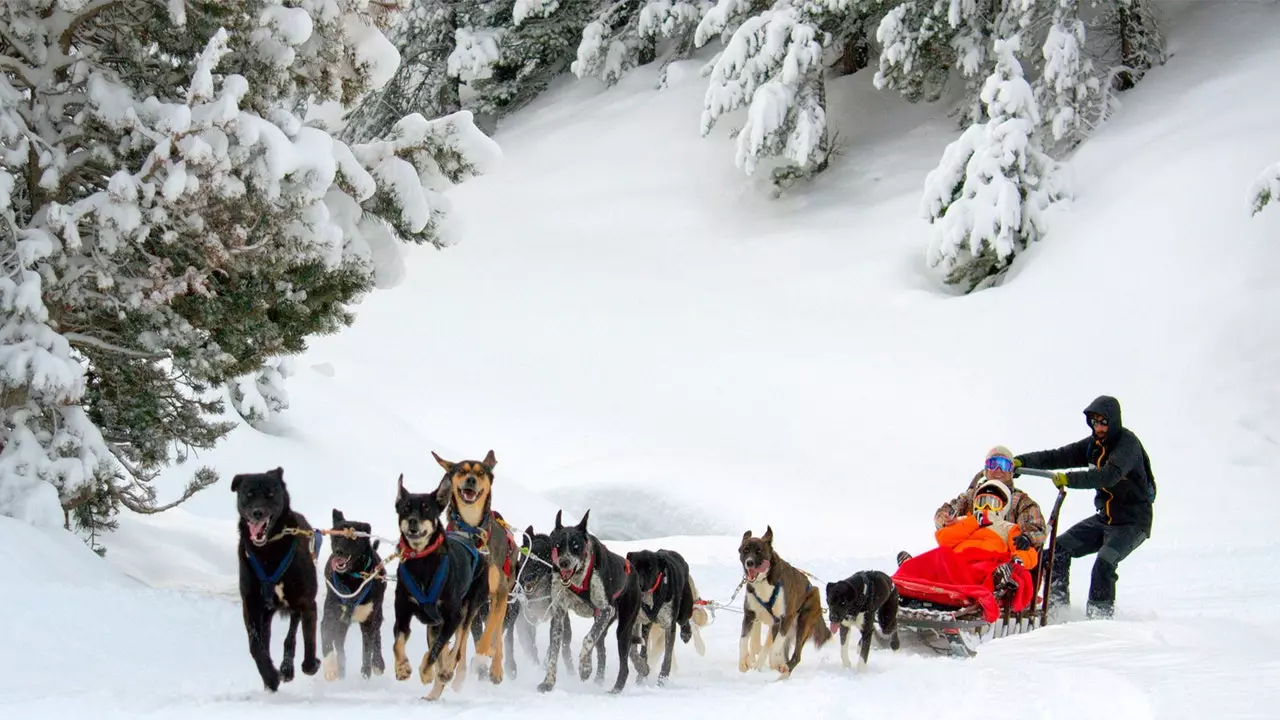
point(1264, 191)
point(169, 222)
point(626, 34)
point(988, 196)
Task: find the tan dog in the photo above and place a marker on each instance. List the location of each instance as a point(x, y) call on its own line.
point(471, 513)
point(780, 596)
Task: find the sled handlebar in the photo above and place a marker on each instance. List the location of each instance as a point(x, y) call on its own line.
point(1033, 471)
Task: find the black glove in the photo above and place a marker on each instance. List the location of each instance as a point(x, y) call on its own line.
point(1022, 542)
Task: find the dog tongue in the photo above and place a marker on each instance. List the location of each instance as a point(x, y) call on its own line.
point(835, 628)
point(258, 529)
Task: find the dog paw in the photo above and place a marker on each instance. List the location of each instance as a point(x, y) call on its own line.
point(331, 667)
point(310, 666)
point(426, 673)
point(744, 663)
point(584, 669)
point(366, 671)
point(271, 680)
point(495, 674)
point(546, 686)
point(403, 670)
point(378, 666)
point(286, 672)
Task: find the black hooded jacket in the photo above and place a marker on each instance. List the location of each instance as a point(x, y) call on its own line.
point(1119, 469)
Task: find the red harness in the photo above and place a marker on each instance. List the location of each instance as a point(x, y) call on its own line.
point(585, 587)
point(408, 553)
point(656, 583)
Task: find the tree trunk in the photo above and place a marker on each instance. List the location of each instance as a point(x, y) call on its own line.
point(856, 55)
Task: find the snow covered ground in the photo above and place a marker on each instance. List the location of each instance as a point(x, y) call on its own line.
point(633, 328)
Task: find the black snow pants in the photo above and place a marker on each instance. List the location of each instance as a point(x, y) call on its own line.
point(1112, 543)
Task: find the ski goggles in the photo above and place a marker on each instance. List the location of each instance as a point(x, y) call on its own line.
point(988, 502)
point(1096, 420)
point(999, 462)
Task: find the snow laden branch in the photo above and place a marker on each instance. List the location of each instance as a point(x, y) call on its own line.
point(772, 65)
point(173, 233)
point(988, 197)
point(1069, 88)
point(1265, 189)
point(620, 38)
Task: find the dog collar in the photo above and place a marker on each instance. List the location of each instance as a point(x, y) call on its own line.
point(408, 553)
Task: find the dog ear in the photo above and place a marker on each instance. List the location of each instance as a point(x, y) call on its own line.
point(768, 535)
point(559, 524)
point(235, 483)
point(444, 492)
point(337, 517)
point(374, 545)
point(490, 460)
point(448, 466)
point(277, 473)
point(400, 491)
point(746, 535)
point(527, 541)
point(582, 524)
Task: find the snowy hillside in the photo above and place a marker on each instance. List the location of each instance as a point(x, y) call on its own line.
point(634, 328)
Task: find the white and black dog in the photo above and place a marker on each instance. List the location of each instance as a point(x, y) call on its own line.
point(858, 600)
point(595, 583)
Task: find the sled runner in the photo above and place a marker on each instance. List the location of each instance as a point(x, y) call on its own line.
point(954, 619)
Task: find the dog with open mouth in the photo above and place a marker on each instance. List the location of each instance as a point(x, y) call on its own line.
point(592, 582)
point(471, 513)
point(356, 586)
point(667, 596)
point(277, 573)
point(857, 601)
point(534, 577)
point(441, 581)
point(781, 597)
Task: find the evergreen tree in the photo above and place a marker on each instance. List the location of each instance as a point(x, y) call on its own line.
point(1265, 189)
point(774, 65)
point(1136, 40)
point(425, 37)
point(172, 223)
point(628, 34)
point(988, 196)
point(539, 41)
point(1069, 88)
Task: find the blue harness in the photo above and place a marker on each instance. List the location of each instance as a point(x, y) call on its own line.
point(268, 582)
point(432, 594)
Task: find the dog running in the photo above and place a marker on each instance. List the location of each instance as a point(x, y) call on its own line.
point(667, 596)
point(277, 573)
point(596, 583)
point(356, 586)
point(781, 597)
point(442, 581)
point(856, 601)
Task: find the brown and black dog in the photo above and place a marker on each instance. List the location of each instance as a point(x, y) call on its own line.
point(780, 596)
point(471, 513)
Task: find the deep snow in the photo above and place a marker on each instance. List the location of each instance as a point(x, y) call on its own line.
point(634, 328)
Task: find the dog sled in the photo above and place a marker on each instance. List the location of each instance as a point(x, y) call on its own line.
point(954, 620)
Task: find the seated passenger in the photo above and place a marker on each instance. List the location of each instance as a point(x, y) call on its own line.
point(981, 553)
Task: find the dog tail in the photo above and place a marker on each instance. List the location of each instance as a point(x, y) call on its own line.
point(699, 616)
point(821, 634)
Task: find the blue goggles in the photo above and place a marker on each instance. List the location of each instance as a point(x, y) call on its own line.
point(999, 462)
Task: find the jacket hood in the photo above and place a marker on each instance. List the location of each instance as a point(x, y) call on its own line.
point(1109, 408)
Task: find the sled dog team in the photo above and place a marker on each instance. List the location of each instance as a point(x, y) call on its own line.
point(458, 571)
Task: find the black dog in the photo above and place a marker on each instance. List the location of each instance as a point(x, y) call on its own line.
point(594, 583)
point(356, 587)
point(855, 602)
point(442, 581)
point(277, 573)
point(666, 600)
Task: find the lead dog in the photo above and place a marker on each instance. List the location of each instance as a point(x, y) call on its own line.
point(277, 573)
point(855, 602)
point(780, 596)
